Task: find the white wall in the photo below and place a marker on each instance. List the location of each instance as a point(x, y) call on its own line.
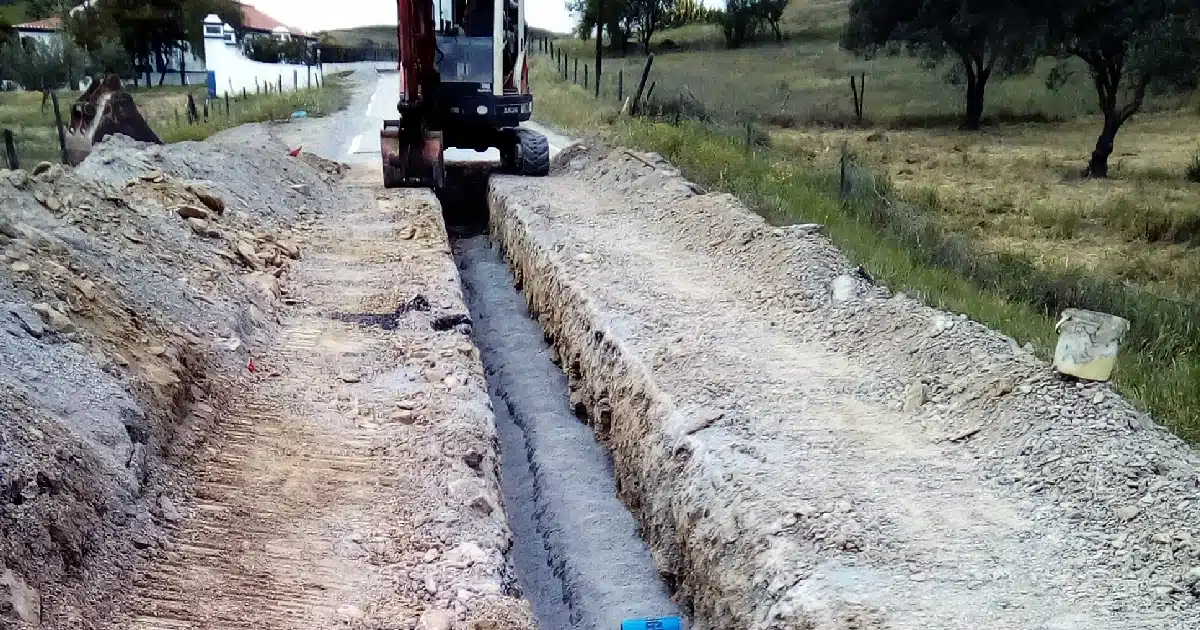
point(234, 72)
point(45, 37)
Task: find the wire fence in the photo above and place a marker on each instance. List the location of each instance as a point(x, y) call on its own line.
point(1165, 325)
point(34, 123)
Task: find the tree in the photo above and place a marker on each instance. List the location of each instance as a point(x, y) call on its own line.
point(987, 37)
point(686, 12)
point(149, 30)
point(39, 9)
point(739, 22)
point(617, 21)
point(647, 18)
point(109, 57)
point(35, 65)
point(1130, 47)
point(771, 11)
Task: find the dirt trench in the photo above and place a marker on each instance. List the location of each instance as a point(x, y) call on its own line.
point(577, 552)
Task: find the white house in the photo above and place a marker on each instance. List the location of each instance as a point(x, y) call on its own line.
point(44, 31)
point(185, 66)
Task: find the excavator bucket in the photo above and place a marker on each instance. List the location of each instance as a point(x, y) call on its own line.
point(102, 110)
point(411, 158)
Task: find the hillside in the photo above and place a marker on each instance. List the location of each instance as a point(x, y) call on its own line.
point(383, 35)
point(1005, 208)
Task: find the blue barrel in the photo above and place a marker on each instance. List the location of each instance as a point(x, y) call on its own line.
point(656, 623)
point(212, 84)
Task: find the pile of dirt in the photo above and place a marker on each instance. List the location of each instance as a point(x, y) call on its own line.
point(130, 288)
point(804, 448)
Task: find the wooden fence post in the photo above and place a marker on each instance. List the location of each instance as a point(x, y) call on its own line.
point(62, 134)
point(10, 149)
point(637, 96)
point(576, 78)
point(206, 108)
point(843, 185)
point(192, 115)
point(858, 89)
point(621, 84)
point(281, 83)
point(227, 104)
point(295, 79)
point(599, 42)
point(585, 75)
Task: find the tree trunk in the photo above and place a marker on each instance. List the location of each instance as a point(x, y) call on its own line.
point(1098, 165)
point(976, 82)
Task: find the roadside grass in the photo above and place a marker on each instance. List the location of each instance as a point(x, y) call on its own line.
point(165, 109)
point(906, 245)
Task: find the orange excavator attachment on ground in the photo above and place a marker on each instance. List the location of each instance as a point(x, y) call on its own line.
point(104, 109)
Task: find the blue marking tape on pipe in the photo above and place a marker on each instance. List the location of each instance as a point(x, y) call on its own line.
point(657, 623)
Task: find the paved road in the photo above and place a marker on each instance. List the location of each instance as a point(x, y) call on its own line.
point(357, 140)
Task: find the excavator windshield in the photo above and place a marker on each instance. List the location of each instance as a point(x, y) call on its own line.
point(467, 40)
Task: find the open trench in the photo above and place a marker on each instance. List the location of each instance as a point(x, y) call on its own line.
point(577, 550)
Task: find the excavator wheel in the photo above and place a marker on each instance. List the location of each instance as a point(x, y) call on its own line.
point(532, 153)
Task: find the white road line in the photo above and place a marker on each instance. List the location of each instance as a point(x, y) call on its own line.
point(355, 144)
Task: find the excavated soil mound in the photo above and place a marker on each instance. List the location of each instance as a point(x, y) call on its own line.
point(130, 288)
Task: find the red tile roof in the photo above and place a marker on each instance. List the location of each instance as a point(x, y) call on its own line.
point(256, 20)
point(47, 24)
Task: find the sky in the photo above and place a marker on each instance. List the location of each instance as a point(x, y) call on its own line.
point(319, 15)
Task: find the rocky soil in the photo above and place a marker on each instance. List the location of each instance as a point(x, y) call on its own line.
point(804, 448)
point(213, 410)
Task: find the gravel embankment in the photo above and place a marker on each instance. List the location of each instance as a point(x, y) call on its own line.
point(805, 449)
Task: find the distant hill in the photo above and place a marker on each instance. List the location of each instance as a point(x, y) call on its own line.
point(382, 35)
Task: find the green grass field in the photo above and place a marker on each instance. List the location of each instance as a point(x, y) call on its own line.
point(997, 224)
point(166, 110)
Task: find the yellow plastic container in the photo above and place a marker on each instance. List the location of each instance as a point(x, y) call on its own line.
point(1087, 343)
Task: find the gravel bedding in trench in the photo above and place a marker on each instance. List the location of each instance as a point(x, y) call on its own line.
point(804, 448)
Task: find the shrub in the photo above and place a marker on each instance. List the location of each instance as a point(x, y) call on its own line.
point(35, 65)
point(272, 50)
point(1192, 172)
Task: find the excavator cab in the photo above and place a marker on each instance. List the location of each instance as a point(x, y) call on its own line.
point(464, 83)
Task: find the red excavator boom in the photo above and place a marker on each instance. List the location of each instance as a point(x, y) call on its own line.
point(412, 153)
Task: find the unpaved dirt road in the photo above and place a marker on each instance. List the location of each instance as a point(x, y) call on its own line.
point(354, 484)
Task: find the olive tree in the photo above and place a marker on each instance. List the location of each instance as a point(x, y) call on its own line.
point(986, 37)
point(1130, 47)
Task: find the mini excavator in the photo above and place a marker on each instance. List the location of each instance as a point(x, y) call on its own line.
point(464, 83)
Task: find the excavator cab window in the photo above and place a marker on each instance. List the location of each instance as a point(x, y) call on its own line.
point(465, 42)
